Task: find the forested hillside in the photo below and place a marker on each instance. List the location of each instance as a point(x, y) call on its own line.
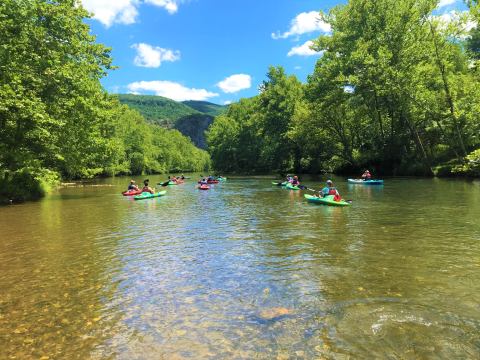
point(157, 109)
point(191, 118)
point(56, 120)
point(395, 89)
point(206, 107)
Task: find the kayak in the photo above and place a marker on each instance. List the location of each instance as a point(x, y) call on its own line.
point(204, 187)
point(131, 192)
point(212, 181)
point(147, 195)
point(279, 183)
point(221, 178)
point(292, 187)
point(327, 200)
point(365, 182)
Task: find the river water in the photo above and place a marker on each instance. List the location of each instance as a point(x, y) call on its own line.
point(243, 271)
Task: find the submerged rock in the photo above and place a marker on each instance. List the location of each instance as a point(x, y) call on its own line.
point(274, 313)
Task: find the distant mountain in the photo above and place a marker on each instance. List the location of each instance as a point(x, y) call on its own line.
point(206, 107)
point(192, 118)
point(157, 109)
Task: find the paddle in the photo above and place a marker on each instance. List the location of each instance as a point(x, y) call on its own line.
point(164, 183)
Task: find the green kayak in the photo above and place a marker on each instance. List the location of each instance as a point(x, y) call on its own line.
point(327, 200)
point(292, 187)
point(147, 195)
point(221, 178)
point(279, 183)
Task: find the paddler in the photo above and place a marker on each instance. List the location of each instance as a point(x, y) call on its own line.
point(132, 186)
point(366, 175)
point(295, 181)
point(329, 189)
point(147, 188)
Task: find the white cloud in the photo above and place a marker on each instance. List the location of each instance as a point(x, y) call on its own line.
point(170, 5)
point(110, 12)
point(304, 50)
point(304, 23)
point(227, 102)
point(152, 57)
point(171, 90)
point(443, 3)
point(235, 83)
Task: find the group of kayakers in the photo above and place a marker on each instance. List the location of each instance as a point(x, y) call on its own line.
point(146, 188)
point(176, 180)
point(133, 187)
point(210, 179)
point(329, 189)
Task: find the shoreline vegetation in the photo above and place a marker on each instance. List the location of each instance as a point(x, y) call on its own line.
point(395, 89)
point(57, 123)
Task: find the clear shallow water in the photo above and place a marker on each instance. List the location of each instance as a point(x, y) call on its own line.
point(244, 271)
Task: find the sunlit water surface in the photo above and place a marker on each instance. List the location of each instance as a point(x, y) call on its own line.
point(243, 271)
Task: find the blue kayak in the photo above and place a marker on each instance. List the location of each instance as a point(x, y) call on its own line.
point(365, 182)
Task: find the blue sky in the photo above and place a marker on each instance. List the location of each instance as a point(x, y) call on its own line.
point(214, 50)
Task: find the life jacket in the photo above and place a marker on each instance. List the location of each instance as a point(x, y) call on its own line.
point(332, 191)
point(146, 189)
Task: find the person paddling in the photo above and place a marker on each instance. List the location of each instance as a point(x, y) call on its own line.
point(132, 186)
point(366, 175)
point(330, 190)
point(295, 181)
point(147, 188)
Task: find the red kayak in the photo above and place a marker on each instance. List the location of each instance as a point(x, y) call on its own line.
point(204, 187)
point(131, 192)
point(212, 181)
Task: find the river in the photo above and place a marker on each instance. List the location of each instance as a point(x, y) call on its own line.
point(245, 270)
